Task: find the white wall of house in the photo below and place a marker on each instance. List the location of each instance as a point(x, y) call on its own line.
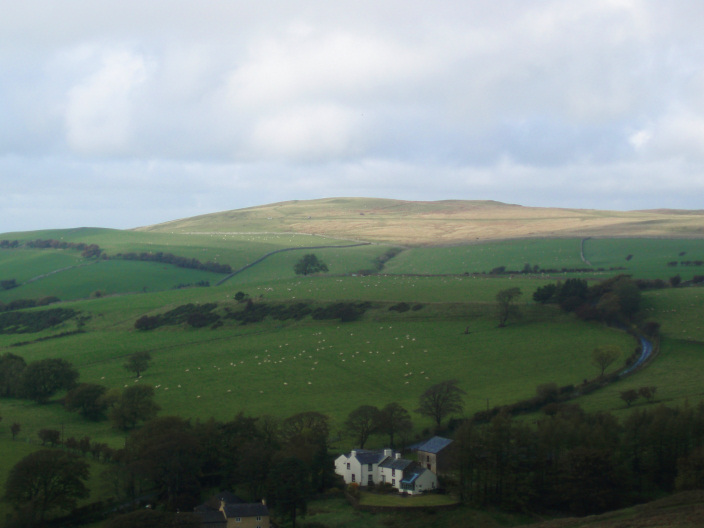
point(352, 470)
point(426, 481)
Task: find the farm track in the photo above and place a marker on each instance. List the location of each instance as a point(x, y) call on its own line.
point(45, 275)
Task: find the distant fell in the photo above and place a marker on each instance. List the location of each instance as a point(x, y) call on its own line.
point(438, 222)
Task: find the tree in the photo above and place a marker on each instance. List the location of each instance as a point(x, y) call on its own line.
point(138, 363)
point(441, 400)
point(648, 393)
point(49, 436)
point(42, 379)
point(289, 488)
point(362, 422)
point(167, 452)
point(88, 399)
point(506, 300)
point(46, 480)
point(604, 356)
point(393, 420)
point(309, 264)
point(629, 396)
point(135, 404)
point(545, 294)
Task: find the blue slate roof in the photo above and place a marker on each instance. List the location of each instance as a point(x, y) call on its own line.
point(396, 463)
point(435, 444)
point(368, 457)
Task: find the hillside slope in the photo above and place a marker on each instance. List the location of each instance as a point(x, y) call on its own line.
point(437, 223)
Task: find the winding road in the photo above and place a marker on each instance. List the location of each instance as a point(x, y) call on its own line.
point(646, 351)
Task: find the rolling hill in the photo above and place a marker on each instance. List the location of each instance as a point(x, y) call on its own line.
point(436, 223)
point(428, 274)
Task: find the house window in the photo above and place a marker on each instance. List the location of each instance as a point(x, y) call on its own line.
point(393, 482)
point(427, 458)
point(393, 472)
point(353, 477)
point(429, 467)
point(238, 519)
point(369, 467)
point(259, 517)
point(348, 465)
point(370, 480)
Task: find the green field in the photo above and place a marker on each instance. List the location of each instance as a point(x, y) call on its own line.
point(279, 368)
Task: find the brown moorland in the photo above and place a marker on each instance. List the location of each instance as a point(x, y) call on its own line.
point(682, 510)
point(444, 222)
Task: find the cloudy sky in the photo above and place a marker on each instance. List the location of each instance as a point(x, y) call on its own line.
point(121, 114)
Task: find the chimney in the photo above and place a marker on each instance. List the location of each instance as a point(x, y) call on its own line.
point(388, 452)
point(353, 454)
point(398, 456)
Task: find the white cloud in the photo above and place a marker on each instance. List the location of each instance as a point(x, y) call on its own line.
point(99, 109)
point(306, 133)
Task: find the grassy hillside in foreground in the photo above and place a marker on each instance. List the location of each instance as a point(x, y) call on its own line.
point(436, 223)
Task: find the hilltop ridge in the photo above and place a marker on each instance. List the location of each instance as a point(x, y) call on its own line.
point(442, 222)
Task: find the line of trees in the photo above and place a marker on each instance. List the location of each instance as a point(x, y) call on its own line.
point(89, 250)
point(13, 321)
point(175, 260)
point(577, 462)
point(615, 301)
point(255, 455)
point(94, 251)
point(38, 380)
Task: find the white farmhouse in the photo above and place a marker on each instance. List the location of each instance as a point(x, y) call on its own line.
point(366, 467)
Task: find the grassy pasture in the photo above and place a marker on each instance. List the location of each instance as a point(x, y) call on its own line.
point(476, 258)
point(458, 289)
point(109, 277)
point(650, 255)
point(282, 368)
point(340, 261)
point(678, 369)
point(68, 276)
point(26, 264)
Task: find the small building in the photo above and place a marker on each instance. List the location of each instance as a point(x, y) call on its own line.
point(366, 467)
point(432, 454)
point(226, 510)
point(246, 515)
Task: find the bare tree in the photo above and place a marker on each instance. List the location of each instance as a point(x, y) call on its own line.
point(362, 423)
point(604, 356)
point(441, 400)
point(506, 300)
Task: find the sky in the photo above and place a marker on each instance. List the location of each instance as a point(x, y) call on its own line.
point(131, 113)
